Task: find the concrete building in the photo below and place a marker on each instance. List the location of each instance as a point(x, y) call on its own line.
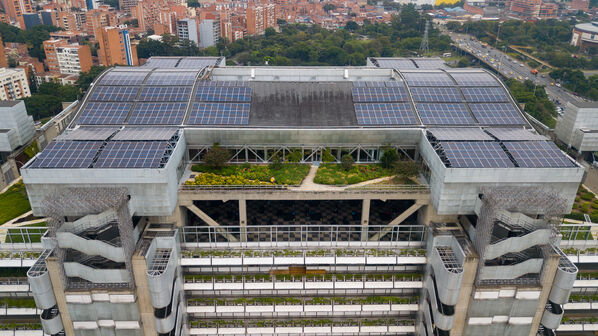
point(260, 17)
point(585, 36)
point(138, 245)
point(17, 125)
point(578, 127)
point(532, 9)
point(187, 30)
point(116, 47)
point(13, 84)
point(15, 10)
point(31, 20)
point(65, 58)
point(209, 33)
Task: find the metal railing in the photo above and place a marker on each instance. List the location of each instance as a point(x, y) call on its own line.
point(304, 235)
point(14, 237)
point(578, 235)
point(292, 188)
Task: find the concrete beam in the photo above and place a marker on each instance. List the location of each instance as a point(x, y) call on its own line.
point(400, 218)
point(204, 216)
point(365, 218)
point(551, 263)
point(243, 219)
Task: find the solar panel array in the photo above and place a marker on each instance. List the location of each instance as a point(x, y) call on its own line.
point(484, 94)
point(379, 94)
point(88, 133)
point(99, 113)
point(165, 93)
point(385, 114)
point(397, 63)
point(538, 154)
point(159, 62)
point(476, 155)
point(182, 62)
point(474, 79)
point(219, 114)
point(114, 93)
point(428, 79)
point(171, 78)
point(496, 114)
point(223, 94)
point(444, 114)
point(67, 154)
point(145, 133)
point(514, 134)
point(378, 84)
point(131, 154)
point(436, 94)
point(123, 78)
point(429, 63)
point(158, 114)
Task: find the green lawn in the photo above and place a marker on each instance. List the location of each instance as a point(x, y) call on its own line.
point(17, 302)
point(576, 233)
point(34, 235)
point(289, 174)
point(334, 174)
point(13, 202)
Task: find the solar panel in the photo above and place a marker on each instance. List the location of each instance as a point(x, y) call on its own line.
point(459, 134)
point(132, 154)
point(444, 114)
point(98, 113)
point(476, 155)
point(198, 63)
point(123, 78)
point(161, 62)
point(385, 114)
point(538, 154)
point(222, 83)
point(145, 133)
point(219, 114)
point(474, 79)
point(436, 94)
point(171, 78)
point(395, 63)
point(158, 114)
point(88, 133)
point(223, 94)
point(67, 154)
point(114, 93)
point(165, 93)
point(514, 134)
point(485, 94)
point(377, 84)
point(496, 114)
point(430, 63)
point(428, 79)
point(379, 94)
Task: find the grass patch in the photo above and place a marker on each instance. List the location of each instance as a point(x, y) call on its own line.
point(331, 173)
point(246, 174)
point(13, 202)
point(32, 235)
point(14, 302)
point(585, 203)
point(13, 272)
point(576, 233)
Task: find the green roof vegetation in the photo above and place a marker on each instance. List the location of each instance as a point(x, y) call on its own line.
point(305, 301)
point(14, 302)
point(404, 252)
point(249, 174)
point(13, 272)
point(13, 202)
point(335, 174)
point(33, 234)
point(20, 326)
point(585, 203)
point(296, 323)
point(301, 277)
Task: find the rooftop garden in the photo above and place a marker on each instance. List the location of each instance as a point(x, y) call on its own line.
point(32, 234)
point(585, 203)
point(579, 320)
point(301, 277)
point(261, 301)
point(20, 326)
point(576, 251)
point(20, 255)
point(335, 174)
point(13, 202)
point(247, 174)
point(221, 323)
point(404, 252)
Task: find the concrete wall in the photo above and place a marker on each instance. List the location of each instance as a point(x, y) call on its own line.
point(98, 310)
point(16, 118)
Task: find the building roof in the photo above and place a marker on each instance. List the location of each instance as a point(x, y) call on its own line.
point(590, 27)
point(10, 103)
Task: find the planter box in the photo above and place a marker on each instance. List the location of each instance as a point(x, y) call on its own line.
point(585, 283)
point(288, 260)
point(227, 261)
point(21, 311)
point(203, 331)
point(382, 260)
point(590, 327)
point(196, 261)
point(318, 308)
point(409, 284)
point(319, 260)
point(259, 285)
point(588, 259)
point(231, 331)
point(401, 329)
point(376, 307)
point(289, 330)
point(259, 309)
point(319, 285)
point(198, 286)
point(570, 327)
point(288, 285)
point(578, 305)
point(347, 308)
point(348, 284)
point(230, 309)
point(201, 309)
point(288, 308)
point(374, 329)
point(411, 260)
point(345, 329)
point(232, 285)
point(404, 307)
point(260, 330)
point(257, 261)
point(379, 284)
point(350, 260)
point(316, 330)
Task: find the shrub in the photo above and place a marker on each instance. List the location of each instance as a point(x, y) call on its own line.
point(406, 169)
point(246, 165)
point(217, 156)
point(389, 157)
point(275, 163)
point(295, 156)
point(587, 196)
point(347, 162)
point(327, 156)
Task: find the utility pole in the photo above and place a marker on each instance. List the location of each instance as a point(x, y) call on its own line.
point(424, 48)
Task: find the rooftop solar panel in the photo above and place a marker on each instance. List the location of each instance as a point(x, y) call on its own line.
point(219, 114)
point(223, 94)
point(377, 84)
point(67, 154)
point(474, 79)
point(430, 63)
point(385, 114)
point(514, 134)
point(88, 133)
point(428, 79)
point(123, 78)
point(476, 155)
point(485, 94)
point(538, 154)
point(114, 93)
point(459, 134)
point(436, 94)
point(98, 113)
point(132, 154)
point(396, 63)
point(145, 133)
point(165, 93)
point(162, 62)
point(198, 63)
point(444, 114)
point(171, 78)
point(496, 114)
point(379, 94)
point(158, 114)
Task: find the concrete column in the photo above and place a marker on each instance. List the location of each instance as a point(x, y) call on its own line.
point(144, 302)
point(365, 219)
point(470, 268)
point(58, 288)
point(243, 219)
point(551, 264)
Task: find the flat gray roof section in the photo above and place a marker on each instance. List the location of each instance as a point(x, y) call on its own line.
point(456, 134)
point(145, 133)
point(300, 104)
point(513, 134)
point(88, 133)
point(9, 103)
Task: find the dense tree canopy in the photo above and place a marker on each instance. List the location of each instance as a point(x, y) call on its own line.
point(48, 99)
point(576, 81)
point(33, 37)
point(535, 99)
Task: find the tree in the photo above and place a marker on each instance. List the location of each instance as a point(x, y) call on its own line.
point(327, 156)
point(217, 156)
point(347, 162)
point(275, 162)
point(270, 32)
point(389, 157)
point(86, 78)
point(42, 105)
point(328, 7)
point(352, 25)
point(406, 168)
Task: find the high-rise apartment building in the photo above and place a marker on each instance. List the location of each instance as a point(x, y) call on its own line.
point(126, 5)
point(209, 33)
point(99, 18)
point(17, 125)
point(31, 20)
point(13, 84)
point(3, 59)
point(532, 9)
point(16, 8)
point(115, 46)
point(65, 58)
point(260, 17)
point(187, 29)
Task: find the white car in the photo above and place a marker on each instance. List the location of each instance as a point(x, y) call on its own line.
point(558, 84)
point(521, 64)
